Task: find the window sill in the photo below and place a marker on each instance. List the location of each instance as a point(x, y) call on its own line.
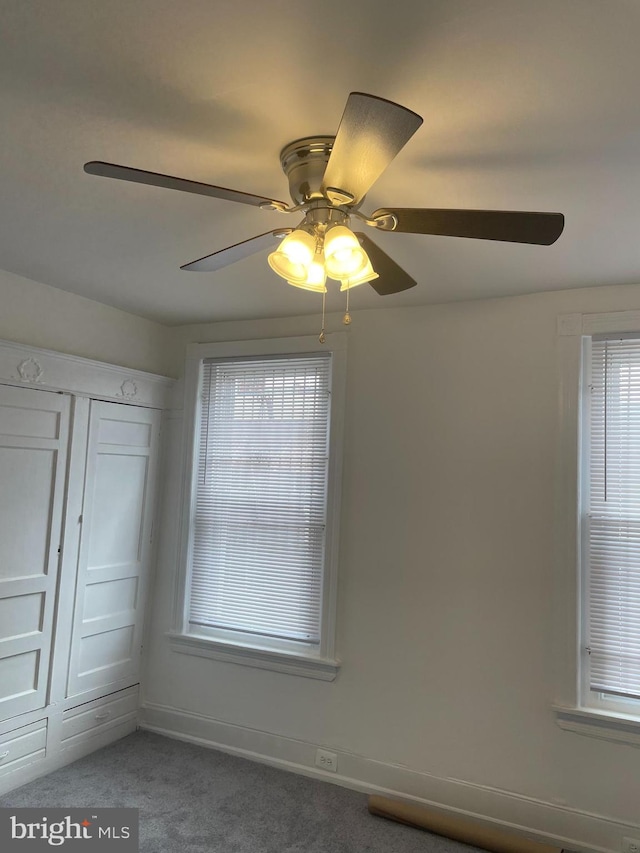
point(308, 666)
point(620, 728)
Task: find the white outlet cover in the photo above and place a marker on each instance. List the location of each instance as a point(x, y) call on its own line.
point(327, 760)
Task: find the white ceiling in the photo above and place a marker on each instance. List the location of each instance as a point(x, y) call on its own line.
point(527, 105)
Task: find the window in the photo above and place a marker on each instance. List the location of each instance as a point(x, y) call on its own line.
point(261, 531)
point(597, 601)
point(611, 524)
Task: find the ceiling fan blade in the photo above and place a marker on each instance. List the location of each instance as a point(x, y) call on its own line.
point(155, 179)
point(372, 131)
point(224, 257)
point(509, 225)
point(393, 279)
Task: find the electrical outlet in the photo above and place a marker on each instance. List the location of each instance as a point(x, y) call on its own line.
point(329, 761)
point(631, 845)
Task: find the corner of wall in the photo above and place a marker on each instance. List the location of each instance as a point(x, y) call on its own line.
point(39, 315)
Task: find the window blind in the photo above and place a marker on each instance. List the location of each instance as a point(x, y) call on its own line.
point(258, 542)
point(614, 518)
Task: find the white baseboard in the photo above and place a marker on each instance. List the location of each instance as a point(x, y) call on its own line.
point(569, 828)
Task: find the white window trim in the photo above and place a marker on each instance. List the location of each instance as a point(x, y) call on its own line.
point(601, 720)
point(296, 659)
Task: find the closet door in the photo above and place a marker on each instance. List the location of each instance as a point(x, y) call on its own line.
point(115, 547)
point(34, 431)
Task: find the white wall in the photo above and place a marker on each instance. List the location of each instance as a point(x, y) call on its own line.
point(46, 317)
point(446, 579)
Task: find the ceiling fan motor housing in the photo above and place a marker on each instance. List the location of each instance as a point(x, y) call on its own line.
point(304, 162)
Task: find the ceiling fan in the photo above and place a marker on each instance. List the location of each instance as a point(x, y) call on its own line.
point(328, 179)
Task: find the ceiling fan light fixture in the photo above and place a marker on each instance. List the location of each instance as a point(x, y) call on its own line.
point(294, 255)
point(367, 274)
point(316, 276)
point(344, 256)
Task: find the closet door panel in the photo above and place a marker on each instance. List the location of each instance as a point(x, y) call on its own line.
point(115, 546)
point(34, 433)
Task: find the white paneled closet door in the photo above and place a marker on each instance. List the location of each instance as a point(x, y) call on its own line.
point(115, 547)
point(34, 432)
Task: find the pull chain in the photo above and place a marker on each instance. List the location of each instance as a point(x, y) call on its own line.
point(347, 317)
point(322, 338)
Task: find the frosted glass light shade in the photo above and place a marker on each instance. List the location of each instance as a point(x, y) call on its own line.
point(345, 257)
point(367, 274)
point(316, 276)
point(293, 256)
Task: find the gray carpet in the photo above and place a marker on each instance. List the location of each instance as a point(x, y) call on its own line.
point(193, 800)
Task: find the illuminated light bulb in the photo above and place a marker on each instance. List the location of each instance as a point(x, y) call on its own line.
point(345, 257)
point(294, 255)
point(316, 276)
point(367, 274)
